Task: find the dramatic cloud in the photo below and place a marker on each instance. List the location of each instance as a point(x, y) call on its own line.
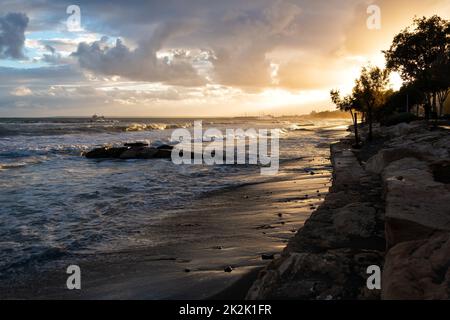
point(241, 55)
point(205, 56)
point(12, 35)
point(141, 63)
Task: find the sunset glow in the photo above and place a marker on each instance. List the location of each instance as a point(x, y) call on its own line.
point(278, 57)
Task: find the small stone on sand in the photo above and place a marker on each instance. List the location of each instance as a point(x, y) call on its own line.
point(228, 269)
point(267, 256)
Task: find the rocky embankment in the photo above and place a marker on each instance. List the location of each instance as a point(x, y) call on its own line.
point(388, 206)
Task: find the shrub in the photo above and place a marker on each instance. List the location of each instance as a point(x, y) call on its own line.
point(399, 118)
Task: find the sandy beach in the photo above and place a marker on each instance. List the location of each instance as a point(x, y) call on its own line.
point(231, 228)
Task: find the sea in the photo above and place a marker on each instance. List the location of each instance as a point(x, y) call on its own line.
point(54, 201)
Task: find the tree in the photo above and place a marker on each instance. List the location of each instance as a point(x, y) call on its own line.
point(370, 91)
point(440, 80)
point(421, 54)
point(403, 100)
point(347, 104)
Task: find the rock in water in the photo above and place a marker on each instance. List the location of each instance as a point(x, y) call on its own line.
point(228, 269)
point(105, 152)
point(163, 153)
point(133, 150)
point(164, 147)
point(136, 144)
point(139, 153)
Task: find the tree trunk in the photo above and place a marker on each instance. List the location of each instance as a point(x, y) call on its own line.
point(369, 117)
point(434, 102)
point(442, 96)
point(355, 125)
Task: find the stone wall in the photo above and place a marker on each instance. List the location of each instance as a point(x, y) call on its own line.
point(415, 170)
point(392, 211)
point(328, 257)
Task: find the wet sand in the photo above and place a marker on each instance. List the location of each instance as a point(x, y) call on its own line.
point(232, 227)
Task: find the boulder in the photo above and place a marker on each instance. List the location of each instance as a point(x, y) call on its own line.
point(329, 255)
point(105, 152)
point(435, 143)
point(416, 204)
point(403, 128)
point(139, 153)
point(135, 150)
point(384, 157)
point(335, 274)
point(163, 153)
point(164, 147)
point(418, 269)
point(347, 170)
point(441, 171)
point(356, 220)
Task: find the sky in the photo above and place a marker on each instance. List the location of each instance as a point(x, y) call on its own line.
point(191, 57)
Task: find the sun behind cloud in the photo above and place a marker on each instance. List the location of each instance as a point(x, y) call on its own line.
point(221, 59)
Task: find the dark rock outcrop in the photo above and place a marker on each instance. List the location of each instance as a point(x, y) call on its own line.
point(105, 152)
point(139, 153)
point(136, 150)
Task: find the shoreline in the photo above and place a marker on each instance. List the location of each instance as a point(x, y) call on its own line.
point(326, 259)
point(388, 207)
point(233, 227)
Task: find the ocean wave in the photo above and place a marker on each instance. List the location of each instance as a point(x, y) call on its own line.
point(299, 126)
point(23, 162)
point(156, 126)
point(4, 166)
point(63, 128)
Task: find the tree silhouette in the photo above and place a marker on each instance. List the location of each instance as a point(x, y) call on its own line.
point(370, 91)
point(347, 104)
point(421, 54)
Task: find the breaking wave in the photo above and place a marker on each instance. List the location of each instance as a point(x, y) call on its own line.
point(86, 127)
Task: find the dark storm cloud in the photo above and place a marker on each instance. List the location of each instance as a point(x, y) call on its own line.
point(12, 35)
